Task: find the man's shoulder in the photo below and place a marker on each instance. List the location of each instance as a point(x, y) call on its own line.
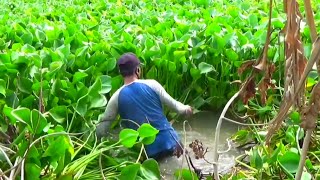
point(148, 81)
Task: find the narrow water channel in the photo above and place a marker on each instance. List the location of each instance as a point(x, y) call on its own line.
point(203, 125)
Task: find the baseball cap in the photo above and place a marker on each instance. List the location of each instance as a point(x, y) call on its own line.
point(128, 62)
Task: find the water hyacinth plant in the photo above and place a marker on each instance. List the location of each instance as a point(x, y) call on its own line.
point(58, 69)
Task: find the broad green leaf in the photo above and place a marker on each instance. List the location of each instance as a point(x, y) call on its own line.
point(179, 54)
point(95, 88)
point(205, 67)
point(255, 159)
point(82, 105)
point(128, 137)
point(22, 115)
point(295, 117)
point(82, 51)
point(171, 66)
point(97, 100)
point(290, 161)
point(25, 85)
point(195, 73)
point(7, 111)
point(38, 121)
point(27, 38)
point(40, 35)
point(147, 133)
point(111, 64)
point(150, 169)
point(148, 140)
point(58, 148)
point(3, 87)
point(253, 20)
point(231, 55)
point(32, 171)
point(106, 84)
point(64, 51)
point(55, 66)
point(78, 76)
point(146, 130)
point(59, 113)
point(130, 172)
point(27, 48)
point(213, 28)
point(310, 82)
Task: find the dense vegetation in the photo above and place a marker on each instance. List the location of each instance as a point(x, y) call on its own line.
point(58, 68)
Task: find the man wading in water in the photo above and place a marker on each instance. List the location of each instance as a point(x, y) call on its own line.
point(141, 101)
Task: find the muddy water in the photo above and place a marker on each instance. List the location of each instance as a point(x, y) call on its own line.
point(203, 126)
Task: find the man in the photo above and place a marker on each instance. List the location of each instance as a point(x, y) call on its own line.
point(141, 101)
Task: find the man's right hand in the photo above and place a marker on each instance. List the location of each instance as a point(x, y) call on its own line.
point(189, 111)
point(102, 129)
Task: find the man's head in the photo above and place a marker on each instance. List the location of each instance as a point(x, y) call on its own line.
point(129, 65)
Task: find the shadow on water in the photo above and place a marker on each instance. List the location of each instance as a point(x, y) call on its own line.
point(203, 126)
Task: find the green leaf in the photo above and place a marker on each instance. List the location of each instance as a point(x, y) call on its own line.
point(148, 140)
point(55, 66)
point(147, 133)
point(275, 154)
point(22, 115)
point(7, 111)
point(40, 35)
point(195, 73)
point(232, 55)
point(38, 121)
point(25, 85)
point(78, 76)
point(253, 20)
point(146, 130)
point(3, 87)
point(58, 148)
point(97, 100)
point(255, 159)
point(59, 113)
point(295, 117)
point(171, 66)
point(27, 38)
point(213, 28)
point(111, 64)
point(150, 169)
point(95, 88)
point(130, 172)
point(106, 84)
point(82, 105)
point(128, 137)
point(290, 161)
point(32, 171)
point(64, 51)
point(82, 51)
point(205, 68)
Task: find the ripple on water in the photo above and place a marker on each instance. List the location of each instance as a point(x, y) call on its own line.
point(203, 127)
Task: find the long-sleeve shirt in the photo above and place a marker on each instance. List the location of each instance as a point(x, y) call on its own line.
point(141, 101)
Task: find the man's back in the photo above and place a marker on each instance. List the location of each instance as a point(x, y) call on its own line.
point(140, 103)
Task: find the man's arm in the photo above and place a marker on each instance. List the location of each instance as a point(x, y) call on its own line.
point(169, 101)
point(108, 116)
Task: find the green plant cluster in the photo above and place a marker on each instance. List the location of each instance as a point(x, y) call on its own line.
point(58, 68)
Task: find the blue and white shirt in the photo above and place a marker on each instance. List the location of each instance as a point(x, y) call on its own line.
point(141, 101)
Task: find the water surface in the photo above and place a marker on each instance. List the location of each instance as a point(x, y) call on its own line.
point(203, 125)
